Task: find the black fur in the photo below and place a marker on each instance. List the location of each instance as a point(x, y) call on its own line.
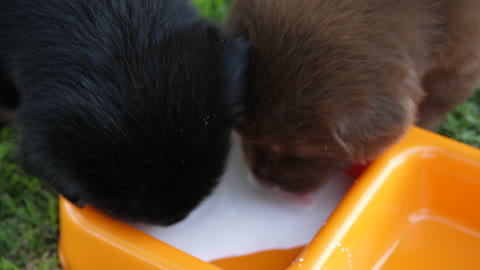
point(126, 105)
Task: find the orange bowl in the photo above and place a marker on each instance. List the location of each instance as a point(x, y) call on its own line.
point(415, 207)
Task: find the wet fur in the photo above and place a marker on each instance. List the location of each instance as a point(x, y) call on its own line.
point(124, 105)
point(333, 82)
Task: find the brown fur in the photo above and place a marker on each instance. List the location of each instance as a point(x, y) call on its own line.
point(338, 81)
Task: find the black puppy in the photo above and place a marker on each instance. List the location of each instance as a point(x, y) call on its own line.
point(125, 105)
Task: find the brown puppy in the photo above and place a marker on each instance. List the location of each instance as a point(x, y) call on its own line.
point(338, 81)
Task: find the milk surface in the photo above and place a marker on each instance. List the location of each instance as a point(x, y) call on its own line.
point(241, 217)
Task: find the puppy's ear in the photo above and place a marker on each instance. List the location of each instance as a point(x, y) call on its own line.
point(237, 54)
point(364, 132)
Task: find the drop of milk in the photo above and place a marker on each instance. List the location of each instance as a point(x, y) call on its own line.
point(241, 218)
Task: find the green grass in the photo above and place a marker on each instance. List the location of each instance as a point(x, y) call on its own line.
point(28, 214)
point(28, 208)
point(213, 9)
point(463, 124)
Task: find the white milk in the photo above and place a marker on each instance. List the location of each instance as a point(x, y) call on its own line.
point(240, 217)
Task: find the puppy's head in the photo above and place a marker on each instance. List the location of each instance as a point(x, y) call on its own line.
point(311, 113)
point(299, 157)
point(143, 133)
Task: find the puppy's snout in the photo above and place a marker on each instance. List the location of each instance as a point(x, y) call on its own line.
point(261, 173)
point(263, 179)
point(262, 164)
